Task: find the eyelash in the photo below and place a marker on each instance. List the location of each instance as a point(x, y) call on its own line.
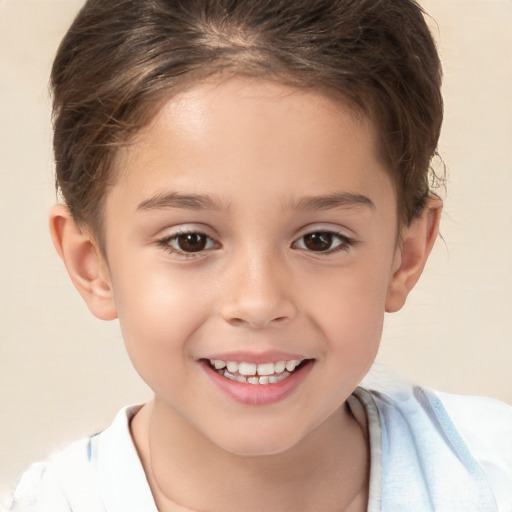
point(345, 243)
point(166, 242)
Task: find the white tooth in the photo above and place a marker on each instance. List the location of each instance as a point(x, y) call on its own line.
point(266, 369)
point(264, 380)
point(229, 376)
point(239, 378)
point(253, 380)
point(232, 366)
point(246, 368)
point(219, 364)
point(291, 365)
point(276, 378)
point(279, 367)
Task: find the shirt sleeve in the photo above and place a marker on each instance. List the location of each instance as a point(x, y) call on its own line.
point(67, 483)
point(37, 492)
point(485, 425)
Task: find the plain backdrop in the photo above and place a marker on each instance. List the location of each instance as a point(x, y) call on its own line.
point(64, 374)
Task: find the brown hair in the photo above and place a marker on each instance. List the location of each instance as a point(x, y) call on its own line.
point(120, 58)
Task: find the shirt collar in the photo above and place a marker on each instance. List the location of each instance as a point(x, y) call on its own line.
point(122, 480)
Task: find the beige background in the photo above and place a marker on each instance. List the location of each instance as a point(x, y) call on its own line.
point(64, 374)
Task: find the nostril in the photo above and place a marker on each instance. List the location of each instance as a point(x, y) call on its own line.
point(255, 323)
point(257, 312)
point(237, 322)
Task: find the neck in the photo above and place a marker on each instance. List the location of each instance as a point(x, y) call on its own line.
point(327, 470)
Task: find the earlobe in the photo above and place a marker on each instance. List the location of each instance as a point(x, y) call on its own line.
point(417, 242)
point(84, 262)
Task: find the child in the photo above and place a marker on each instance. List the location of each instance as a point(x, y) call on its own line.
point(246, 187)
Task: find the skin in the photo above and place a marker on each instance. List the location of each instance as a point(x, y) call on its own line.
point(260, 151)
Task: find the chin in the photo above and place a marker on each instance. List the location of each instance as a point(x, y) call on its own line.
point(260, 449)
point(258, 441)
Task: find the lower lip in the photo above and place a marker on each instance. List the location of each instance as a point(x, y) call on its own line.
point(258, 394)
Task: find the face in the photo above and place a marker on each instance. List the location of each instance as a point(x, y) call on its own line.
point(251, 240)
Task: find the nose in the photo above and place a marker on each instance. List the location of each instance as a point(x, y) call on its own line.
point(258, 293)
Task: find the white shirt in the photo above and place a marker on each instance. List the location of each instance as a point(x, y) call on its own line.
point(430, 451)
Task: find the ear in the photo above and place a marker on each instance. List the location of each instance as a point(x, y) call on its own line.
point(84, 262)
point(416, 243)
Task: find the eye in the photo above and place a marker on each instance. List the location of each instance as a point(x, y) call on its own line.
point(188, 243)
point(323, 241)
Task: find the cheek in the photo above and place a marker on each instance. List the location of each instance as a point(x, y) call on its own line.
point(349, 309)
point(350, 296)
point(152, 295)
point(158, 311)
point(355, 330)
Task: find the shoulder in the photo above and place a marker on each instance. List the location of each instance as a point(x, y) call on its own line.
point(476, 418)
point(457, 448)
point(475, 415)
point(71, 480)
point(56, 485)
point(484, 425)
point(479, 424)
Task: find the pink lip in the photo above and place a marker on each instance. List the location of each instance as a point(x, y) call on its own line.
point(258, 394)
point(270, 356)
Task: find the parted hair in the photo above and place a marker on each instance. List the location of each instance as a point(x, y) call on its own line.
point(121, 59)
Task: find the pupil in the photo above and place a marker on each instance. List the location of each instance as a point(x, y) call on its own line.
point(318, 241)
point(192, 242)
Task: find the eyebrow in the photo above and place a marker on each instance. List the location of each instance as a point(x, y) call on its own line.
point(335, 200)
point(178, 200)
point(205, 202)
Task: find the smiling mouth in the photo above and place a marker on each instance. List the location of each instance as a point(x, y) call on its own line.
point(257, 374)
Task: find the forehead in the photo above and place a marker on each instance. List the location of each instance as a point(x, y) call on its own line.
point(254, 133)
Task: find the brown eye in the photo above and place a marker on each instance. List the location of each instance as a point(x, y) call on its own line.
point(318, 241)
point(191, 242)
point(323, 241)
